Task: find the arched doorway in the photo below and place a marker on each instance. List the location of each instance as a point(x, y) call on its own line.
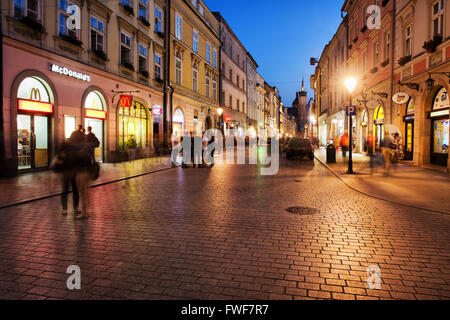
point(178, 123)
point(440, 128)
point(94, 117)
point(378, 126)
point(409, 130)
point(133, 126)
point(35, 108)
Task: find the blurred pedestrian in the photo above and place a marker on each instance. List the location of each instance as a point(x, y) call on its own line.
point(369, 148)
point(386, 148)
point(344, 143)
point(213, 147)
point(93, 143)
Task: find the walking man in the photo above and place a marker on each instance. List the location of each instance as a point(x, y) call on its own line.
point(93, 143)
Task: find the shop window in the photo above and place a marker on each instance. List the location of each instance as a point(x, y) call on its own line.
point(27, 8)
point(178, 123)
point(133, 127)
point(97, 35)
point(70, 124)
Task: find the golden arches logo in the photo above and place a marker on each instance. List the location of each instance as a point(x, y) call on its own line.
point(36, 93)
point(125, 101)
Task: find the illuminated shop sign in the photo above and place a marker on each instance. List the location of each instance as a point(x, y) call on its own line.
point(35, 106)
point(70, 73)
point(435, 114)
point(157, 110)
point(95, 114)
point(125, 101)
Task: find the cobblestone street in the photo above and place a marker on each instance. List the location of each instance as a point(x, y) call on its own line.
point(225, 234)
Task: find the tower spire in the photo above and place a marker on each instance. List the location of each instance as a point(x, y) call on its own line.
point(303, 84)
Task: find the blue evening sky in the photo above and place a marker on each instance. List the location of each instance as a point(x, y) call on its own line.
point(282, 36)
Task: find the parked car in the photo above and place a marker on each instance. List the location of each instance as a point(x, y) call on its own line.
point(299, 148)
point(283, 144)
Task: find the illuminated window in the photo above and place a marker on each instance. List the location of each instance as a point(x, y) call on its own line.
point(133, 127)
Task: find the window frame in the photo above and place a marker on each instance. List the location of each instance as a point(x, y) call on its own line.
point(157, 66)
point(178, 26)
point(147, 9)
point(408, 37)
point(179, 70)
point(194, 77)
point(97, 31)
point(208, 52)
point(144, 56)
point(158, 19)
point(129, 47)
point(439, 16)
point(195, 40)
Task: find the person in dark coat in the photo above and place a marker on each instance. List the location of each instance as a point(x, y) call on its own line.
point(93, 143)
point(68, 178)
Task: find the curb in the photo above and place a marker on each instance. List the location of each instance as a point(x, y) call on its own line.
point(91, 187)
point(377, 197)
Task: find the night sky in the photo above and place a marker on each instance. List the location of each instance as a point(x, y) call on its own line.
point(282, 36)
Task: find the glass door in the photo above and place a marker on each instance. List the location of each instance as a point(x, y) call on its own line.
point(409, 143)
point(97, 129)
point(32, 141)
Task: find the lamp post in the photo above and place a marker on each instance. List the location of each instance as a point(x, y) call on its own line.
point(220, 113)
point(350, 83)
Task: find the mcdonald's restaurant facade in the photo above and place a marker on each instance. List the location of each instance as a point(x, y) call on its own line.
point(46, 96)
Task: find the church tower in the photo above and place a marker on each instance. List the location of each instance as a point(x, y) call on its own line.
point(302, 109)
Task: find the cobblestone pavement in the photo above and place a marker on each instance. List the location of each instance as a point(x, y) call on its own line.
point(224, 234)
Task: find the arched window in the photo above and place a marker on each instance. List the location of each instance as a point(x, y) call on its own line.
point(178, 123)
point(379, 113)
point(441, 101)
point(133, 127)
point(95, 101)
point(410, 107)
point(32, 88)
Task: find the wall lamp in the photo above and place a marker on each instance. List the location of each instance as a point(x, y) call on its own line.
point(429, 83)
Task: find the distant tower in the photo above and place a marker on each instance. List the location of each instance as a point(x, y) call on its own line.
point(302, 109)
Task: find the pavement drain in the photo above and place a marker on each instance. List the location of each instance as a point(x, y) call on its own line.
point(303, 211)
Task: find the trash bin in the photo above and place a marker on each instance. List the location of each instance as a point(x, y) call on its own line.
point(331, 154)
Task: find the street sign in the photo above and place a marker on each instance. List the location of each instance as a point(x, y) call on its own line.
point(351, 111)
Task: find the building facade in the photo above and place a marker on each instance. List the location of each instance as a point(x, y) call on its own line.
point(194, 73)
point(402, 65)
point(233, 79)
point(62, 71)
point(252, 95)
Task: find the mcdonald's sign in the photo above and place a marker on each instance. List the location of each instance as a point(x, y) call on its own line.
point(36, 93)
point(35, 106)
point(125, 101)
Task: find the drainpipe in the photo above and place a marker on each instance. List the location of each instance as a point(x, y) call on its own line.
point(167, 122)
point(2, 134)
point(394, 22)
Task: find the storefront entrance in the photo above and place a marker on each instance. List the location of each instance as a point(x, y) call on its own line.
point(32, 141)
point(378, 127)
point(409, 130)
point(35, 109)
point(440, 128)
point(95, 116)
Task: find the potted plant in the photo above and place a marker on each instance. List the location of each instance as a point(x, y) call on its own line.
point(129, 10)
point(160, 34)
point(33, 24)
point(355, 40)
point(404, 60)
point(144, 21)
point(144, 73)
point(350, 46)
point(384, 3)
point(430, 46)
point(128, 65)
point(159, 80)
point(364, 29)
point(71, 40)
point(100, 54)
point(385, 63)
point(374, 70)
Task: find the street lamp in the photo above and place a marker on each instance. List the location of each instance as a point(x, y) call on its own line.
point(220, 112)
point(350, 83)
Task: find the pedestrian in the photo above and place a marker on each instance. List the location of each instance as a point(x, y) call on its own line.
point(344, 143)
point(63, 166)
point(386, 149)
point(93, 143)
point(213, 147)
point(368, 146)
point(184, 153)
point(397, 147)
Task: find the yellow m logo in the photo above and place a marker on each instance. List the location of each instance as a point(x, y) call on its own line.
point(36, 93)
